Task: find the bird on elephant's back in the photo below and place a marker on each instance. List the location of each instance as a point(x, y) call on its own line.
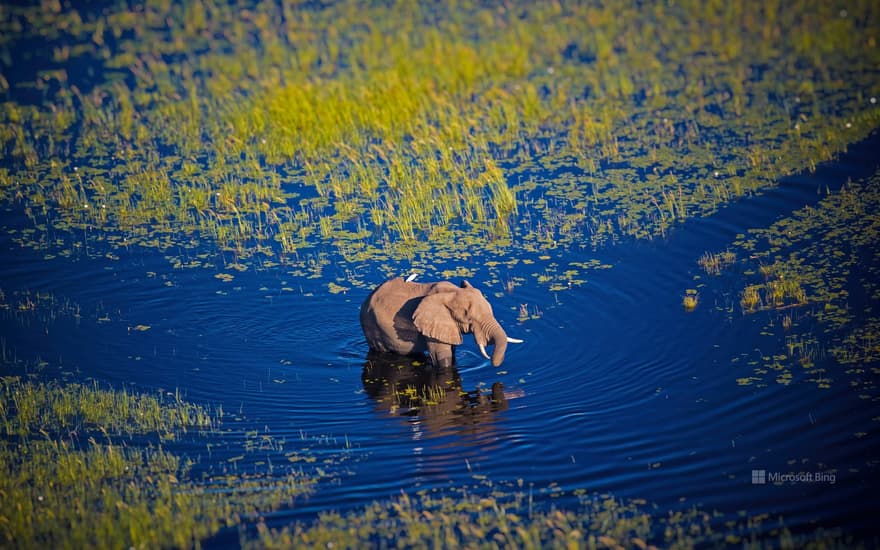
point(409, 318)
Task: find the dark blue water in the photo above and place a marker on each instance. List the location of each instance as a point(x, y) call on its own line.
point(617, 389)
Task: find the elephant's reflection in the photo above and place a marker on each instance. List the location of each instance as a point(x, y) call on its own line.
point(405, 386)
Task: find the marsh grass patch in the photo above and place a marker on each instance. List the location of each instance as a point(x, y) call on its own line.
point(506, 515)
point(30, 407)
point(300, 135)
point(85, 466)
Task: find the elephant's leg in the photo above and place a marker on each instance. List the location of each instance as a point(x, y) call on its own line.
point(442, 355)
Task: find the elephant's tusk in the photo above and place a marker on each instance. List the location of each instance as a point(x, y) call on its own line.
point(483, 351)
point(514, 340)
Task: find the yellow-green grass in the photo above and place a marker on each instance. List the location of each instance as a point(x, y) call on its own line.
point(377, 132)
point(72, 475)
point(781, 289)
point(508, 519)
point(713, 264)
point(28, 407)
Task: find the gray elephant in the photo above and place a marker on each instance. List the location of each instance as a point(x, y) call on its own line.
point(411, 318)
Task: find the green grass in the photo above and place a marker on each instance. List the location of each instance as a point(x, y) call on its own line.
point(781, 289)
point(346, 133)
point(713, 264)
point(85, 467)
point(28, 407)
point(508, 519)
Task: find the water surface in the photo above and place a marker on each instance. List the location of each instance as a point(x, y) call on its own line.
point(196, 199)
point(617, 388)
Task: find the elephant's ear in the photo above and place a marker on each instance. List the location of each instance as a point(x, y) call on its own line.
point(433, 319)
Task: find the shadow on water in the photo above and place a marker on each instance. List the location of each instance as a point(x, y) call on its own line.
point(431, 399)
point(789, 194)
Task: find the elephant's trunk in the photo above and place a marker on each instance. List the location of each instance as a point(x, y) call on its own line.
point(498, 338)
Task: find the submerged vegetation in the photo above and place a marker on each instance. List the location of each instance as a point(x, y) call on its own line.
point(283, 134)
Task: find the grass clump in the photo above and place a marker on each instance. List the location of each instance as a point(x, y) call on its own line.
point(750, 300)
point(713, 264)
point(29, 407)
point(781, 290)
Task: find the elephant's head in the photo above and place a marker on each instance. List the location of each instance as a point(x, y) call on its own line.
point(447, 312)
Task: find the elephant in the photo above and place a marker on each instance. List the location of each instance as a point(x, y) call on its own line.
point(411, 318)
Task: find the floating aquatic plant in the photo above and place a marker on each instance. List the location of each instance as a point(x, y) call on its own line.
point(803, 270)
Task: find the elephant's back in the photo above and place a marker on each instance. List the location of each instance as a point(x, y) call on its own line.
point(389, 299)
point(386, 316)
point(377, 295)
